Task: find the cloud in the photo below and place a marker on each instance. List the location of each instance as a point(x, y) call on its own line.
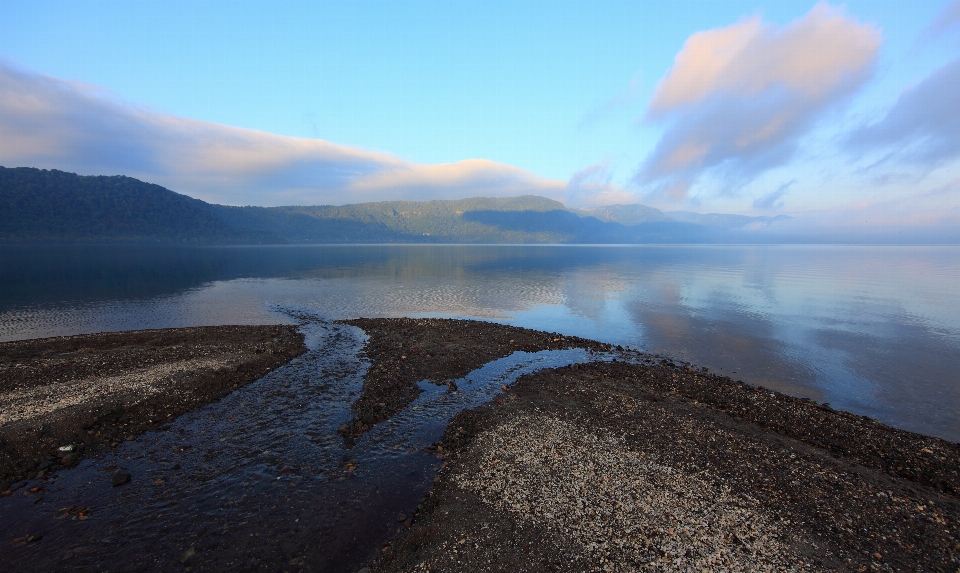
point(623, 99)
point(773, 200)
point(592, 186)
point(738, 98)
point(947, 20)
point(922, 127)
point(52, 123)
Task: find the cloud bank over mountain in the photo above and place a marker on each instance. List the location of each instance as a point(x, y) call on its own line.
point(48, 122)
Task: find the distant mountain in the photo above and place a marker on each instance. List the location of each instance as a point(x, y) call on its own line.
point(397, 221)
point(41, 206)
point(53, 206)
point(628, 215)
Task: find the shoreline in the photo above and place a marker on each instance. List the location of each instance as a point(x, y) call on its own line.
point(93, 391)
point(800, 482)
point(625, 465)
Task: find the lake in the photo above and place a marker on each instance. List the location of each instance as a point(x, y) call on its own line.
point(869, 329)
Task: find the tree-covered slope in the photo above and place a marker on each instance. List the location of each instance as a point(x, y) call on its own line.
point(39, 205)
point(441, 221)
point(56, 207)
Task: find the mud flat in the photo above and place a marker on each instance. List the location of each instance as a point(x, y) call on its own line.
point(92, 391)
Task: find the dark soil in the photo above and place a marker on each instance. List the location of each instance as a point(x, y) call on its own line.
point(851, 493)
point(30, 446)
point(404, 351)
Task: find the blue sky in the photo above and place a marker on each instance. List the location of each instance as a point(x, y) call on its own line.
point(587, 102)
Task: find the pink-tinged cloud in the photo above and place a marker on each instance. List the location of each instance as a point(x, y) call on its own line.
point(739, 98)
point(50, 123)
point(592, 186)
point(923, 126)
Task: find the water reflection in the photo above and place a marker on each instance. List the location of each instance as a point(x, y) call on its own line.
point(875, 330)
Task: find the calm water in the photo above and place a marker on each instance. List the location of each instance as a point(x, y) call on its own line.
point(874, 330)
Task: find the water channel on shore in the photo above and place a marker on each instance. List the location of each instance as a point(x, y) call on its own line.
point(258, 479)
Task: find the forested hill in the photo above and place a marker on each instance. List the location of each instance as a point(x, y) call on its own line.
point(50, 206)
point(40, 206)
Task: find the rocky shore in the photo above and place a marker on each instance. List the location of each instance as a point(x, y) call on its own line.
point(67, 397)
point(635, 464)
point(404, 351)
point(659, 466)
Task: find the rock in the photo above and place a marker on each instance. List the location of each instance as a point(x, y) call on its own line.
point(401, 518)
point(70, 458)
point(28, 538)
point(41, 474)
point(65, 449)
point(120, 477)
point(188, 554)
point(45, 465)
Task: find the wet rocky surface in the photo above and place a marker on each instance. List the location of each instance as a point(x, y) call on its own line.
point(405, 351)
point(259, 480)
point(65, 398)
point(657, 466)
point(554, 454)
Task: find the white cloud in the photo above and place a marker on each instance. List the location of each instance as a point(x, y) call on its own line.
point(738, 98)
point(51, 123)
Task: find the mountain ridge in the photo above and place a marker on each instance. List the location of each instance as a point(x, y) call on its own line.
point(51, 206)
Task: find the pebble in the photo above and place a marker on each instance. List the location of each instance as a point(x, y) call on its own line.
point(619, 505)
point(119, 478)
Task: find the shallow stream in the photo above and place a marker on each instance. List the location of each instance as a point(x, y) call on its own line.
point(259, 480)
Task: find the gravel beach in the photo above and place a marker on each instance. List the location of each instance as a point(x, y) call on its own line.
point(659, 466)
point(90, 391)
point(636, 464)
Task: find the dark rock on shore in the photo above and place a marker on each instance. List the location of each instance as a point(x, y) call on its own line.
point(120, 477)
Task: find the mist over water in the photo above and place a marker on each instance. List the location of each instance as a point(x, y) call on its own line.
point(874, 330)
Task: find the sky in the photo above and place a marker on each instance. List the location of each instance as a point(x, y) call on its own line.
point(835, 113)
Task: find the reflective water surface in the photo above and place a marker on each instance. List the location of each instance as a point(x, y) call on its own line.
point(874, 330)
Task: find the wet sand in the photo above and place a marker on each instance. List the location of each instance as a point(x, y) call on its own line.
point(639, 464)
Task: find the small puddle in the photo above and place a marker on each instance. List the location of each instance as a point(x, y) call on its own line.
point(259, 480)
